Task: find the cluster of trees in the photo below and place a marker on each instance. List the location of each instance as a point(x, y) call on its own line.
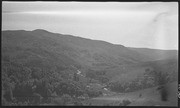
point(22, 85)
point(100, 76)
point(149, 79)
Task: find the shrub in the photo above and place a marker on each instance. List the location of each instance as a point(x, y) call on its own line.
point(126, 102)
point(66, 98)
point(94, 93)
point(57, 101)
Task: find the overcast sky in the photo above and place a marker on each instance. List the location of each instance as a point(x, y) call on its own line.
point(132, 24)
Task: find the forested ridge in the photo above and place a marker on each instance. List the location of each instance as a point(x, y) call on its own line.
point(44, 68)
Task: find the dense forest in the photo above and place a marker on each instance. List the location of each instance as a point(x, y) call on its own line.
point(22, 85)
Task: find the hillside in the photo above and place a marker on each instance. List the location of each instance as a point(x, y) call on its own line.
point(86, 52)
point(70, 49)
point(42, 62)
point(41, 48)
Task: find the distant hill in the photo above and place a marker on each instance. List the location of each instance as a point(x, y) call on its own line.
point(156, 54)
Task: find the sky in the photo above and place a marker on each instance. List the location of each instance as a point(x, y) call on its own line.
point(132, 24)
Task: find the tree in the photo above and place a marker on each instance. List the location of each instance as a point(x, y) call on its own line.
point(160, 78)
point(42, 87)
point(36, 72)
point(90, 74)
point(75, 77)
point(164, 93)
point(7, 87)
point(103, 79)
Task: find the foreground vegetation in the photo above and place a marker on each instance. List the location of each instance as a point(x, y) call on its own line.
point(23, 85)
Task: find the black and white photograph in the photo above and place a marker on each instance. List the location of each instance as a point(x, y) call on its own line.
point(72, 53)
